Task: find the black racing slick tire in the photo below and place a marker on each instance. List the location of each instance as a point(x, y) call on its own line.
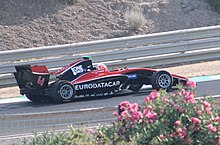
point(62, 91)
point(36, 98)
point(162, 80)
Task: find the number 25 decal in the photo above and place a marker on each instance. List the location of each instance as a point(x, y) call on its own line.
point(40, 81)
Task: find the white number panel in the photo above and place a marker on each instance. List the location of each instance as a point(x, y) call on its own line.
point(77, 69)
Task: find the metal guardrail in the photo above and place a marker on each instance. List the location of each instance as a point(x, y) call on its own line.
point(164, 48)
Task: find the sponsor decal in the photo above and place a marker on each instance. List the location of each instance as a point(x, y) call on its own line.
point(60, 70)
point(132, 76)
point(97, 85)
point(77, 69)
point(40, 81)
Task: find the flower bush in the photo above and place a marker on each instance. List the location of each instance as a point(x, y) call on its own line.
point(162, 119)
point(166, 119)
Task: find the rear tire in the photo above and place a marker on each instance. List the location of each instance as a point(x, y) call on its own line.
point(36, 98)
point(162, 80)
point(62, 91)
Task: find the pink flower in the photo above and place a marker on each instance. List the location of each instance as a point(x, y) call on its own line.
point(150, 108)
point(189, 97)
point(188, 140)
point(154, 95)
point(191, 84)
point(140, 121)
point(134, 106)
point(124, 114)
point(208, 110)
point(171, 135)
point(124, 105)
point(177, 123)
point(179, 130)
point(217, 119)
point(150, 115)
point(193, 101)
point(166, 100)
point(212, 128)
point(183, 91)
point(150, 121)
point(136, 116)
point(179, 109)
point(115, 113)
point(219, 140)
point(182, 132)
point(147, 99)
point(147, 114)
point(162, 137)
point(199, 112)
point(154, 115)
point(195, 120)
point(132, 111)
point(206, 104)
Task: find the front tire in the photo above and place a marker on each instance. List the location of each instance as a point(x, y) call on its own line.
point(63, 91)
point(162, 80)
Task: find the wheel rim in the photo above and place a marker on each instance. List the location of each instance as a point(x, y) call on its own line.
point(164, 81)
point(66, 91)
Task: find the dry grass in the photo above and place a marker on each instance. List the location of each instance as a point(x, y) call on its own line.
point(135, 19)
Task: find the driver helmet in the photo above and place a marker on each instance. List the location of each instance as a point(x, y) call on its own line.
point(102, 66)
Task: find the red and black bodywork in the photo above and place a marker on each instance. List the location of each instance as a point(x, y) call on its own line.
point(83, 78)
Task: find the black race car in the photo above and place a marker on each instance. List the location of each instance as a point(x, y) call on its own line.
point(82, 78)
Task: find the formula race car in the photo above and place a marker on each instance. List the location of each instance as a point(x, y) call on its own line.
point(82, 78)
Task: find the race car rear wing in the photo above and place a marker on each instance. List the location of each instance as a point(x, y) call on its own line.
point(32, 78)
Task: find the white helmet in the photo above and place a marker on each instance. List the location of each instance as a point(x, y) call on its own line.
point(102, 66)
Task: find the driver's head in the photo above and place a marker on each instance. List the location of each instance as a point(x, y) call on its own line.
point(102, 66)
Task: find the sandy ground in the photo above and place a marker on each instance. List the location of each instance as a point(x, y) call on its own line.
point(34, 23)
point(191, 70)
point(197, 69)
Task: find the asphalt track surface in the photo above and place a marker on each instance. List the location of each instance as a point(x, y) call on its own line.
point(28, 125)
point(210, 88)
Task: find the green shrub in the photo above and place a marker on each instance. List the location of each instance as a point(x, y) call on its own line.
point(48, 138)
point(215, 4)
point(72, 137)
